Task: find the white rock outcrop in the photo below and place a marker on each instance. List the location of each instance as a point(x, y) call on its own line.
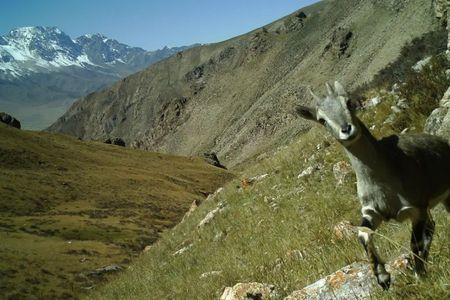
point(352, 282)
point(251, 290)
point(438, 123)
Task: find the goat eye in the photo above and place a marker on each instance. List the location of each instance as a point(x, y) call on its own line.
point(322, 121)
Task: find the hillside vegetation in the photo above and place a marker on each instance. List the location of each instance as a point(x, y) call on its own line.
point(237, 97)
point(281, 230)
point(69, 207)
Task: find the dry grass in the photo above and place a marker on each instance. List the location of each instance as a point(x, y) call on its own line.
point(254, 237)
point(68, 207)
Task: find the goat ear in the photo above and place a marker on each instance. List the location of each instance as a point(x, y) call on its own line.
point(339, 89)
point(306, 112)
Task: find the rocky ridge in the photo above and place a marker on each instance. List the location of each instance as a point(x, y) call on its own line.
point(236, 98)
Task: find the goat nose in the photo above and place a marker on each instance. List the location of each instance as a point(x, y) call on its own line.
point(346, 129)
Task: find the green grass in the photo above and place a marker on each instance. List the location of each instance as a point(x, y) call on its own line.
point(68, 207)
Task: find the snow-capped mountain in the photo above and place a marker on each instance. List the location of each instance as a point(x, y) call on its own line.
point(28, 50)
point(42, 65)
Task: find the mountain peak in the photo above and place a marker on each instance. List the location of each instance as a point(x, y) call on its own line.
point(44, 49)
point(32, 31)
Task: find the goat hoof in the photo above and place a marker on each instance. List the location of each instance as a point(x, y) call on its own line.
point(419, 274)
point(384, 280)
point(419, 271)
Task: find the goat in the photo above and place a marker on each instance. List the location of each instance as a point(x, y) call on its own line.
point(398, 177)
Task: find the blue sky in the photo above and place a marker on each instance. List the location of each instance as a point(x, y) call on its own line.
point(150, 24)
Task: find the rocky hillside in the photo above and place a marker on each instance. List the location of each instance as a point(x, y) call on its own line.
point(42, 69)
point(71, 212)
point(286, 229)
point(237, 97)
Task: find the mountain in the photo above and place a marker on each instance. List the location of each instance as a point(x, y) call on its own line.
point(42, 70)
point(237, 97)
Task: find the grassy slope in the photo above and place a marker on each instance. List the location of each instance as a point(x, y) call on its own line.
point(68, 207)
point(254, 237)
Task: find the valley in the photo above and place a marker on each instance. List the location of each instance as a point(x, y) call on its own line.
point(80, 218)
point(69, 207)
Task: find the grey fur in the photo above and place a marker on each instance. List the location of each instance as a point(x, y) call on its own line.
point(398, 177)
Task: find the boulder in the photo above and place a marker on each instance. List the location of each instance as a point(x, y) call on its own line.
point(250, 291)
point(212, 159)
point(118, 142)
point(9, 120)
point(115, 141)
point(355, 281)
point(438, 123)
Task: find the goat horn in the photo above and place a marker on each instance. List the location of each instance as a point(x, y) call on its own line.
point(316, 98)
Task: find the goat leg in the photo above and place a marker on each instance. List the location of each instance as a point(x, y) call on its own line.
point(366, 239)
point(421, 238)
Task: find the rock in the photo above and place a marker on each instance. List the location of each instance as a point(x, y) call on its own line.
point(9, 120)
point(193, 207)
point(195, 73)
point(421, 64)
point(295, 22)
point(341, 170)
point(211, 215)
point(306, 172)
point(246, 182)
point(218, 236)
point(212, 159)
point(147, 248)
point(395, 109)
point(395, 88)
point(340, 42)
point(355, 281)
point(213, 196)
point(402, 104)
point(295, 254)
point(390, 119)
point(209, 274)
point(115, 141)
point(438, 123)
point(137, 144)
point(373, 102)
point(323, 145)
point(104, 270)
point(182, 250)
point(250, 291)
point(310, 170)
point(118, 142)
point(345, 230)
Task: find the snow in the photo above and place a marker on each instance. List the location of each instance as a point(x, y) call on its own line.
point(25, 58)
